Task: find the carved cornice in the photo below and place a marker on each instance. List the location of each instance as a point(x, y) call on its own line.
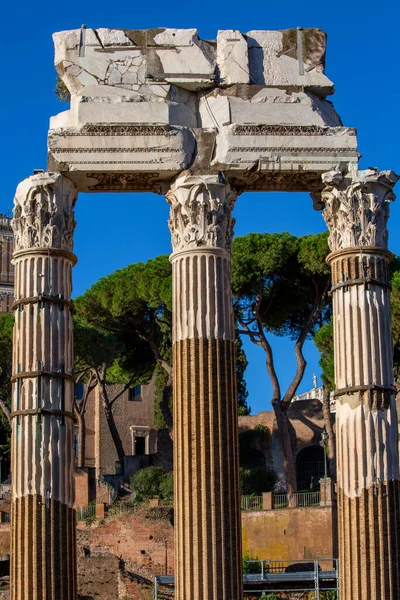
point(100, 129)
point(201, 212)
point(44, 212)
point(357, 207)
point(290, 181)
point(108, 182)
point(290, 130)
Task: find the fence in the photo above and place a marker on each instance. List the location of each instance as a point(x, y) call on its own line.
point(251, 503)
point(86, 512)
point(306, 578)
point(299, 500)
point(248, 503)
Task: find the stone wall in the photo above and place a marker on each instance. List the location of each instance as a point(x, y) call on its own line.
point(289, 534)
point(307, 423)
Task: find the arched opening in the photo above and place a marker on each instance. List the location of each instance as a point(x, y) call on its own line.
point(309, 467)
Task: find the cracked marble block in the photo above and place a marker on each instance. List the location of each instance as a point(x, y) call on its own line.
point(149, 104)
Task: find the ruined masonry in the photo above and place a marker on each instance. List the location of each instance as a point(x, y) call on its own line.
point(201, 122)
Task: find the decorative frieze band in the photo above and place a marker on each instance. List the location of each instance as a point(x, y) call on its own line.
point(107, 182)
point(289, 130)
point(357, 207)
point(119, 130)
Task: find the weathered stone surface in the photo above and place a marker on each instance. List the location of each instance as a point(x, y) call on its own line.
point(357, 207)
point(290, 150)
point(232, 57)
point(172, 78)
point(289, 57)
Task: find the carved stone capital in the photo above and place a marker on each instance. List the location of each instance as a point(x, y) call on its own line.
point(44, 212)
point(201, 212)
point(357, 207)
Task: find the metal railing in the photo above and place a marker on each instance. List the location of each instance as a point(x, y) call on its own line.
point(121, 508)
point(251, 503)
point(86, 512)
point(299, 500)
point(314, 577)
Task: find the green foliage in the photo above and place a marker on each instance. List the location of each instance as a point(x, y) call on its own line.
point(167, 487)
point(256, 480)
point(241, 365)
point(258, 440)
point(122, 357)
point(161, 378)
point(130, 316)
point(89, 521)
point(323, 340)
point(289, 273)
point(271, 596)
point(6, 329)
point(61, 90)
point(250, 568)
point(152, 482)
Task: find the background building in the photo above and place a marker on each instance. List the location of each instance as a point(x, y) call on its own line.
point(6, 268)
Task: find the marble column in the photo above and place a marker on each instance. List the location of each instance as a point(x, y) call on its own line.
point(43, 539)
point(356, 212)
point(208, 551)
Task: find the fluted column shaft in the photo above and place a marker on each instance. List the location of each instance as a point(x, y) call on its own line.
point(206, 471)
point(43, 539)
point(356, 212)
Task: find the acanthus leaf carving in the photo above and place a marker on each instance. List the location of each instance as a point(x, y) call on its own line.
point(201, 212)
point(44, 212)
point(357, 207)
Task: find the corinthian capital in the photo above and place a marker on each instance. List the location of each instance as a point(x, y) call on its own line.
point(201, 212)
point(357, 207)
point(44, 212)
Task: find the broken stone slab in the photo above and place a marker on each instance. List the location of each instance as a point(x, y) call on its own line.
point(232, 58)
point(127, 82)
point(157, 113)
point(133, 58)
point(157, 150)
point(289, 57)
point(269, 106)
point(309, 148)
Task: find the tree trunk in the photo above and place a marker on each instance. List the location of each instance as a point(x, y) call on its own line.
point(331, 434)
point(114, 434)
point(283, 423)
point(165, 407)
point(6, 410)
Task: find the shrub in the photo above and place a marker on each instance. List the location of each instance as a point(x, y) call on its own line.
point(167, 487)
point(250, 568)
point(152, 482)
point(257, 480)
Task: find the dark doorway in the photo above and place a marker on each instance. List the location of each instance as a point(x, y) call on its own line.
point(140, 446)
point(310, 468)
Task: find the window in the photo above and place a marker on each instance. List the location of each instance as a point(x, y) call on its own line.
point(135, 393)
point(79, 389)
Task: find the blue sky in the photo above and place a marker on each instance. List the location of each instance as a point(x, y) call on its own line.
point(115, 230)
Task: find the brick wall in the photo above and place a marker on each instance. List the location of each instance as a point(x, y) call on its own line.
point(306, 426)
point(289, 534)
